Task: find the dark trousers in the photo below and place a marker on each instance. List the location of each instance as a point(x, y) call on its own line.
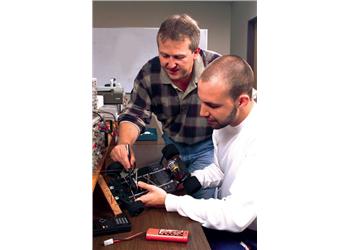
point(224, 240)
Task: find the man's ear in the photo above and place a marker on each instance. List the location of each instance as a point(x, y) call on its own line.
point(196, 52)
point(243, 100)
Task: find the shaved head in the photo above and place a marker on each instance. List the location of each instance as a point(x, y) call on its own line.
point(233, 71)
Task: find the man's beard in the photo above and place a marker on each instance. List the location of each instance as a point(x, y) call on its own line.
point(228, 120)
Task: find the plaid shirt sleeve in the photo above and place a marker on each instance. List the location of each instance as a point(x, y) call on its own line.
point(138, 110)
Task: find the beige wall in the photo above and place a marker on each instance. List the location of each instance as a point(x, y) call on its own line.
point(241, 13)
point(214, 16)
point(226, 21)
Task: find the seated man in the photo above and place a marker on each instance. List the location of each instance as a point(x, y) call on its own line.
point(225, 90)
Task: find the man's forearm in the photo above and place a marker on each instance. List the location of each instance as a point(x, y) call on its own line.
point(128, 133)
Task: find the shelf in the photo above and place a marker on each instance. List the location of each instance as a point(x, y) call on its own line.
point(97, 178)
point(96, 172)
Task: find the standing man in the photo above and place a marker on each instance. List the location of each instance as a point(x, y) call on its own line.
point(225, 90)
point(167, 86)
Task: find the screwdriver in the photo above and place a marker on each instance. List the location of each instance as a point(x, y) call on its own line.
point(133, 167)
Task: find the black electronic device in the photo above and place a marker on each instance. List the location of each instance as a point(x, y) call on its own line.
point(110, 225)
point(178, 169)
point(169, 175)
point(174, 163)
point(123, 184)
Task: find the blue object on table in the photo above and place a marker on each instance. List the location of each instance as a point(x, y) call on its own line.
point(150, 134)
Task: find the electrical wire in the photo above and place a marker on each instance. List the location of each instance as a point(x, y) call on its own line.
point(111, 131)
point(116, 240)
point(110, 113)
point(101, 117)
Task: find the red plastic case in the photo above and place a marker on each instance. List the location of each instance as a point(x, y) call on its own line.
point(167, 235)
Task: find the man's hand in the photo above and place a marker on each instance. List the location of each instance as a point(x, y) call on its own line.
point(155, 196)
point(120, 153)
